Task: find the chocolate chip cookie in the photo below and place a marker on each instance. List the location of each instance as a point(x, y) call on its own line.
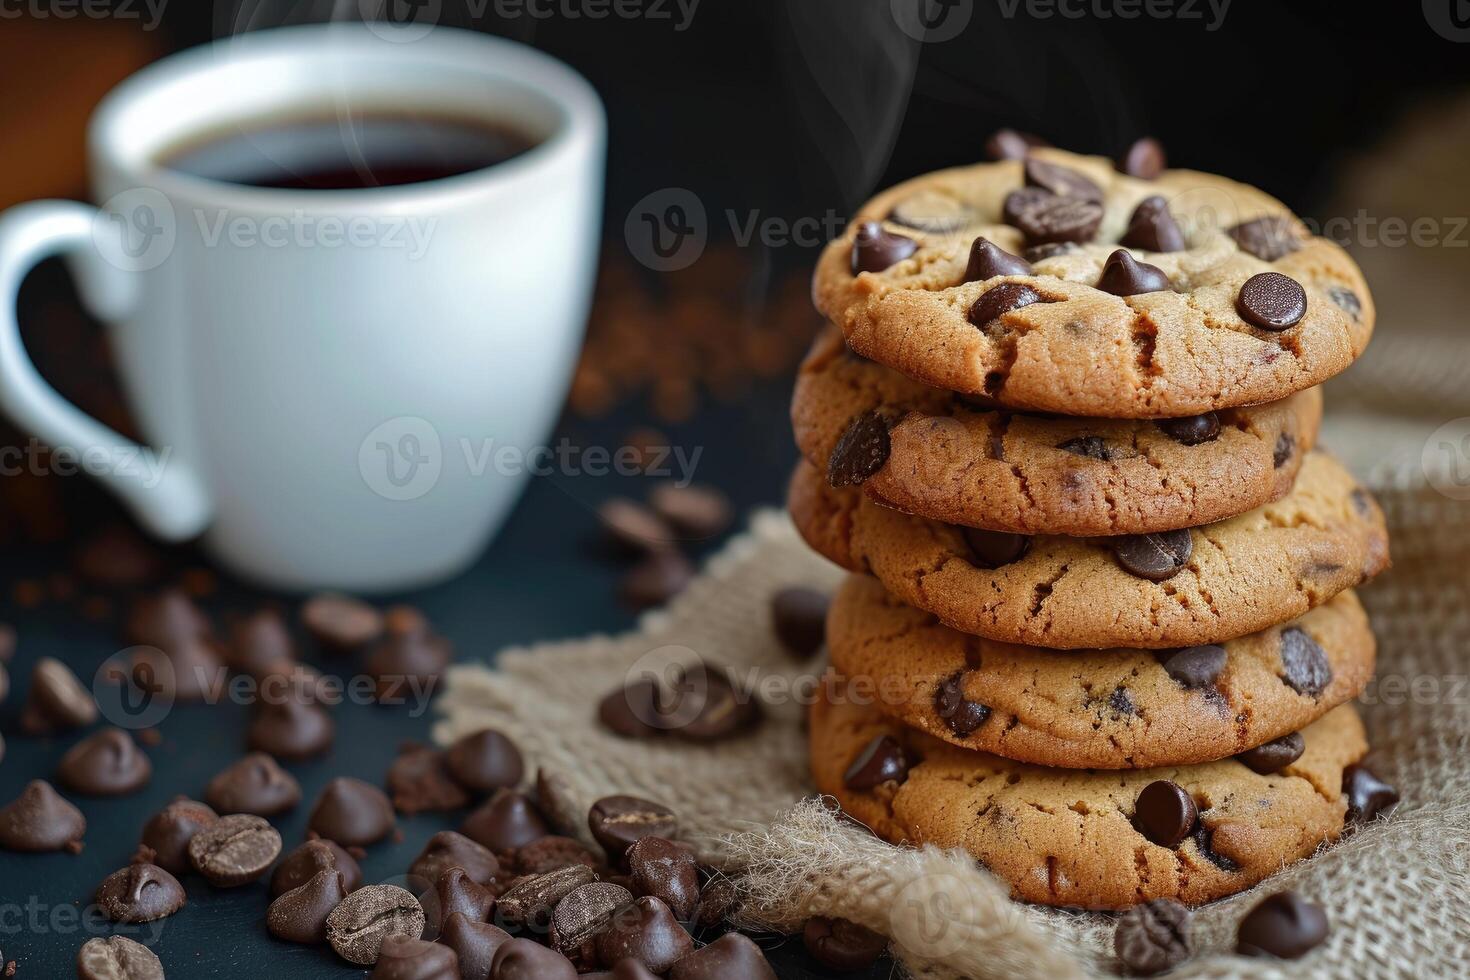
point(954, 461)
point(1081, 838)
point(1172, 589)
point(1056, 284)
point(1104, 709)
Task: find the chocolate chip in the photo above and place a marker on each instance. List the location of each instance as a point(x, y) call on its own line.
point(352, 812)
point(1271, 301)
point(1275, 755)
point(1061, 181)
point(40, 820)
point(617, 821)
point(840, 945)
point(999, 300)
point(446, 850)
point(933, 212)
point(1022, 201)
point(1267, 238)
point(1285, 446)
point(1165, 813)
point(117, 958)
point(860, 452)
point(1153, 937)
point(139, 893)
point(645, 931)
point(234, 850)
point(706, 704)
point(255, 784)
point(529, 900)
point(584, 912)
point(407, 664)
point(167, 619)
point(799, 616)
point(667, 871)
point(992, 549)
point(656, 579)
point(311, 858)
point(522, 959)
point(1144, 159)
point(1152, 228)
point(507, 821)
point(1283, 925)
point(1368, 797)
point(988, 260)
point(300, 915)
point(1037, 253)
point(632, 527)
point(549, 853)
point(1045, 218)
point(717, 899)
point(632, 710)
point(404, 958)
point(962, 716)
point(1197, 667)
point(874, 249)
point(257, 642)
point(1009, 144)
point(1346, 300)
point(881, 760)
point(108, 763)
point(418, 781)
point(1192, 430)
point(1304, 664)
point(357, 927)
point(1203, 839)
point(291, 729)
point(731, 957)
point(1092, 447)
point(698, 511)
point(168, 832)
point(474, 943)
point(484, 761)
point(1120, 702)
point(454, 891)
point(57, 701)
point(1123, 275)
point(1155, 557)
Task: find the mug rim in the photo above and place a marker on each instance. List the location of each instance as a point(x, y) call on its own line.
point(531, 72)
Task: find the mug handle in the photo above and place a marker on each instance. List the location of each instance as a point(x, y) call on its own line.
point(173, 504)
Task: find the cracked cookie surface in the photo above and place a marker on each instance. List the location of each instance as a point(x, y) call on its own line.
point(1230, 578)
point(1074, 348)
point(1030, 474)
point(1107, 709)
point(1068, 837)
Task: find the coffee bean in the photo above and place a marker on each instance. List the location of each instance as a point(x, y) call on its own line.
point(843, 946)
point(731, 957)
point(352, 812)
point(1008, 144)
point(1346, 300)
point(529, 900)
point(1267, 238)
point(1165, 813)
point(357, 927)
point(933, 212)
point(474, 943)
point(962, 716)
point(988, 260)
point(992, 549)
point(882, 760)
point(584, 912)
point(167, 619)
point(1092, 447)
point(617, 821)
point(168, 832)
point(644, 930)
point(656, 579)
point(139, 893)
point(860, 452)
point(1046, 218)
point(633, 528)
point(1152, 228)
point(257, 642)
point(1197, 667)
point(484, 761)
point(631, 711)
point(999, 300)
point(341, 623)
point(254, 784)
point(874, 249)
point(405, 958)
point(446, 850)
point(1144, 159)
point(1153, 937)
point(57, 701)
point(300, 915)
point(454, 891)
point(521, 959)
point(550, 853)
point(666, 871)
point(291, 729)
point(799, 616)
point(507, 821)
point(1283, 925)
point(234, 850)
point(1192, 430)
point(407, 664)
point(1271, 301)
point(1123, 275)
point(1154, 556)
point(705, 704)
point(117, 958)
point(1060, 180)
point(1285, 446)
point(1368, 796)
point(1304, 664)
point(1275, 755)
point(698, 511)
point(40, 820)
point(108, 763)
point(310, 858)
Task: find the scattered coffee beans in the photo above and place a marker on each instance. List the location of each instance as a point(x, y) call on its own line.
point(528, 902)
point(341, 623)
point(1153, 937)
point(584, 912)
point(698, 511)
point(234, 850)
point(357, 927)
point(617, 821)
point(117, 958)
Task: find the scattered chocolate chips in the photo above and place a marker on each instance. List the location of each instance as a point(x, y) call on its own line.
point(1123, 275)
point(291, 729)
point(1271, 301)
point(507, 821)
point(632, 710)
point(1046, 218)
point(933, 212)
point(1010, 144)
point(419, 781)
point(529, 900)
point(117, 958)
point(484, 761)
point(698, 511)
point(799, 616)
point(1268, 238)
point(988, 260)
point(454, 891)
point(139, 893)
point(40, 820)
point(474, 943)
point(665, 870)
point(1304, 664)
point(448, 849)
point(617, 821)
point(1285, 446)
point(357, 927)
point(1090, 447)
point(300, 915)
point(646, 931)
point(255, 784)
point(168, 832)
point(1153, 937)
point(550, 853)
point(860, 452)
point(1192, 430)
point(311, 858)
point(840, 945)
point(234, 850)
point(522, 959)
point(1156, 557)
point(1197, 667)
point(706, 704)
point(1275, 755)
point(167, 619)
point(656, 579)
point(962, 716)
point(108, 763)
point(1165, 813)
point(717, 899)
point(1368, 797)
point(730, 957)
point(1059, 180)
point(1144, 159)
point(407, 664)
point(999, 300)
point(57, 701)
point(1346, 300)
point(341, 623)
point(258, 642)
point(1152, 228)
point(992, 549)
point(585, 912)
point(882, 760)
point(1283, 925)
point(403, 958)
point(874, 249)
point(352, 812)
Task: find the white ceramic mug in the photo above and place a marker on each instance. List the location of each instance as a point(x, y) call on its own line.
point(320, 374)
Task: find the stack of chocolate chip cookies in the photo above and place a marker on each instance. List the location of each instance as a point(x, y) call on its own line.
point(1101, 629)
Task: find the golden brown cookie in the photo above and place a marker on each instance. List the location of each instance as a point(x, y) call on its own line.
point(1104, 709)
point(1080, 838)
point(1177, 328)
point(949, 460)
point(1179, 588)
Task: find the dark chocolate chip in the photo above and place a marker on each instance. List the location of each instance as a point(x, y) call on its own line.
point(1092, 447)
point(1046, 218)
point(1037, 253)
point(874, 249)
point(1152, 228)
point(352, 812)
point(667, 871)
point(1165, 813)
point(988, 260)
point(1120, 702)
point(1283, 925)
point(485, 761)
point(108, 763)
point(300, 915)
point(168, 832)
point(1153, 937)
point(645, 930)
point(474, 943)
point(799, 616)
point(454, 891)
point(717, 899)
point(117, 958)
point(57, 701)
point(992, 549)
point(140, 893)
point(291, 729)
point(1192, 430)
point(1010, 144)
point(341, 623)
point(1268, 238)
point(234, 850)
point(405, 958)
point(357, 927)
point(999, 300)
point(419, 781)
point(528, 902)
point(310, 858)
point(1346, 300)
point(585, 912)
point(1304, 664)
point(961, 715)
point(632, 710)
point(255, 784)
point(1271, 301)
point(1275, 755)
point(881, 760)
point(448, 849)
point(507, 821)
point(860, 452)
point(1061, 181)
point(1203, 839)
point(1144, 159)
point(656, 579)
point(406, 664)
point(1123, 275)
point(617, 821)
point(1285, 446)
point(731, 957)
point(167, 619)
point(39, 819)
point(1368, 796)
point(522, 959)
point(1155, 557)
point(1197, 667)
point(841, 945)
point(258, 642)
point(933, 212)
point(698, 511)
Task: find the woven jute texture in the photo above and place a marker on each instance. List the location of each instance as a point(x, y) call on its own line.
point(1397, 892)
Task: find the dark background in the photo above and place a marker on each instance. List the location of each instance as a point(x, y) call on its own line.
point(796, 109)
